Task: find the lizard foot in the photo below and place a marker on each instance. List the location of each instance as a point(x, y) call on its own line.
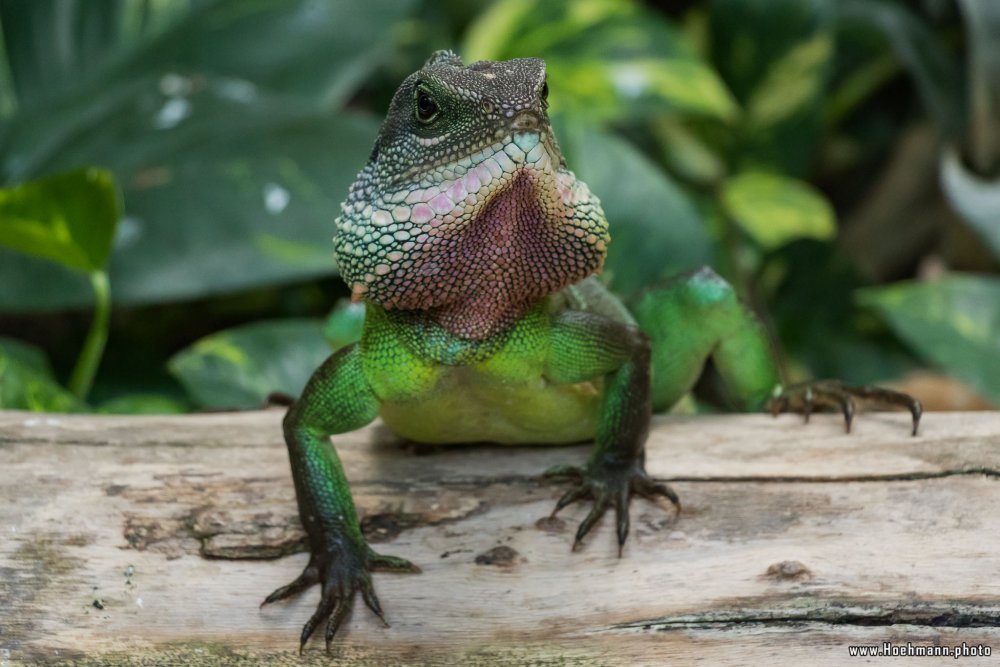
point(341, 572)
point(805, 396)
point(608, 481)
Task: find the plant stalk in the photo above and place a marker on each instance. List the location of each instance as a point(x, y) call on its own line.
point(93, 347)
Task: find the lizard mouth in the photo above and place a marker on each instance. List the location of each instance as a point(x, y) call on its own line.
point(476, 250)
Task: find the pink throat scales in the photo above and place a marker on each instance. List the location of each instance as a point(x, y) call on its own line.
point(518, 249)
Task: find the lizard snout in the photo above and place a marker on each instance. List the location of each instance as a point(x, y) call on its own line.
point(526, 121)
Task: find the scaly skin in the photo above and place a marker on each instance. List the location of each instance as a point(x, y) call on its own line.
point(473, 245)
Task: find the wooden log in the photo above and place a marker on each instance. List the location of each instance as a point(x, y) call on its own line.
point(152, 541)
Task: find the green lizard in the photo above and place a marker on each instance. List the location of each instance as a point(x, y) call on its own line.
point(474, 249)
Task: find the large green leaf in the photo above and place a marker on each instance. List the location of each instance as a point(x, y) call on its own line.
point(240, 367)
point(224, 133)
point(50, 43)
point(655, 228)
point(775, 55)
point(321, 49)
point(234, 212)
point(604, 58)
point(69, 218)
point(774, 210)
point(26, 381)
point(954, 323)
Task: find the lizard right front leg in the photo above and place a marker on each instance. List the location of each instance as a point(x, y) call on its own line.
point(337, 399)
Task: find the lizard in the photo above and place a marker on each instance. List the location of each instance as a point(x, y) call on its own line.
point(474, 249)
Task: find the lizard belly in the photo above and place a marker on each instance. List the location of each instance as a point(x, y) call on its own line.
point(469, 406)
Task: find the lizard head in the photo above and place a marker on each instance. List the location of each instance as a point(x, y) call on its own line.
point(465, 209)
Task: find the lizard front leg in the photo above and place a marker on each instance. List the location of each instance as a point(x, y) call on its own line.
point(584, 346)
point(337, 399)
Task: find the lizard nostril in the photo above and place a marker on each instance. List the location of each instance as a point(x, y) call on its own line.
point(526, 121)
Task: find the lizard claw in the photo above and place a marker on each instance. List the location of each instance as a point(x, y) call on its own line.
point(805, 396)
point(309, 577)
point(609, 483)
point(342, 572)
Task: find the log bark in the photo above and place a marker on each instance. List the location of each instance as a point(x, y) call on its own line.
point(152, 541)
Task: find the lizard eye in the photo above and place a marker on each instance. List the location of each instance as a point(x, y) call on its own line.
point(427, 108)
point(545, 90)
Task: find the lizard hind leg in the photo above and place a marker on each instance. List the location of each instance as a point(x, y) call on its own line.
point(696, 317)
point(803, 397)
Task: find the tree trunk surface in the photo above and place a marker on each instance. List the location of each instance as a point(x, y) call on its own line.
point(153, 540)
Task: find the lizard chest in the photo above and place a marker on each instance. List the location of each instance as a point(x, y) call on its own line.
point(466, 405)
point(444, 392)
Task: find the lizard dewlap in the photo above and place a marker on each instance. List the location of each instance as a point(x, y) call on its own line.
point(466, 208)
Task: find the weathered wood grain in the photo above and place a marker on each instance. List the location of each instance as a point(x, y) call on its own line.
point(794, 542)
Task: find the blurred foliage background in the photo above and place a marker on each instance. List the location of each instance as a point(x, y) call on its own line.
point(171, 170)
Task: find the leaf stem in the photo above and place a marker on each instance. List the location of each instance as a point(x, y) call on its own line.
point(93, 348)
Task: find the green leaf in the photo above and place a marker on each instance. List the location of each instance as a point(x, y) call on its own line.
point(323, 49)
point(26, 381)
point(85, 35)
point(344, 324)
point(792, 83)
point(25, 354)
point(686, 154)
point(775, 56)
point(975, 199)
point(655, 228)
point(69, 218)
point(537, 24)
point(774, 210)
point(243, 211)
point(500, 24)
point(226, 133)
point(319, 48)
point(237, 211)
point(686, 84)
point(604, 58)
point(240, 367)
point(953, 323)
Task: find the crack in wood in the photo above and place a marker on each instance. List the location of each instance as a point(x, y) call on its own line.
point(928, 615)
point(836, 479)
point(473, 482)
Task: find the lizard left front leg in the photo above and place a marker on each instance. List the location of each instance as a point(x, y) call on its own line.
point(337, 399)
point(584, 346)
